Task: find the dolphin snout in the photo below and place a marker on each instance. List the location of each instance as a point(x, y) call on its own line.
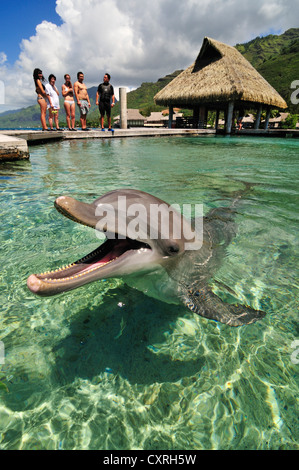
point(34, 284)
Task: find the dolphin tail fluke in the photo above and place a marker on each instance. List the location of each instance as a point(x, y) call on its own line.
point(207, 304)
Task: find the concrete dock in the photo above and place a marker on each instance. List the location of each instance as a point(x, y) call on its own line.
point(39, 136)
point(13, 148)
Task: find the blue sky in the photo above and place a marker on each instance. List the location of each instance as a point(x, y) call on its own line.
point(139, 43)
point(19, 20)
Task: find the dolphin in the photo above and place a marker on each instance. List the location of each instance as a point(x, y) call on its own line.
point(151, 256)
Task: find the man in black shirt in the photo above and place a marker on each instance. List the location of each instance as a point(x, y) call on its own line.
point(104, 96)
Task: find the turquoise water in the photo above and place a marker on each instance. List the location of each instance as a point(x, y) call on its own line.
point(104, 366)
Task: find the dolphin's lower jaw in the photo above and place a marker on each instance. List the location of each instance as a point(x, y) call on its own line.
point(112, 259)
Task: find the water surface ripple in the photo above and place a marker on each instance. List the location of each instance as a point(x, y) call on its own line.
point(105, 367)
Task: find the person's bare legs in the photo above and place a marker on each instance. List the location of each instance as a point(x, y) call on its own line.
point(73, 117)
point(50, 118)
point(43, 113)
point(56, 115)
point(83, 121)
point(67, 108)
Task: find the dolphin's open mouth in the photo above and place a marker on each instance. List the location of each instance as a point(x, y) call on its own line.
point(110, 259)
point(130, 248)
point(87, 269)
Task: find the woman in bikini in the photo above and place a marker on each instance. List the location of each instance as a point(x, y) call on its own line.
point(69, 103)
point(41, 96)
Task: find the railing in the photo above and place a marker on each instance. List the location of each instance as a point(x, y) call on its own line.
point(184, 123)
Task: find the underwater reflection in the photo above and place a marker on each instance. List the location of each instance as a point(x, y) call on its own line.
point(119, 339)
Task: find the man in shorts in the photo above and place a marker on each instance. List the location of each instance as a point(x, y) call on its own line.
point(105, 99)
point(82, 97)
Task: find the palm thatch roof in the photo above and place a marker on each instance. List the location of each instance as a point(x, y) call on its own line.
point(220, 74)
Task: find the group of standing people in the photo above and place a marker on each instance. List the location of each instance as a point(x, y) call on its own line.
point(48, 98)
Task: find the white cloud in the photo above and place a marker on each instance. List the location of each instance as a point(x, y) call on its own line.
point(3, 58)
point(271, 11)
point(135, 41)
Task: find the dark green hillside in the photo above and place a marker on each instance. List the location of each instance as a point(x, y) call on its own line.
point(281, 70)
point(26, 117)
point(262, 49)
point(143, 97)
point(276, 58)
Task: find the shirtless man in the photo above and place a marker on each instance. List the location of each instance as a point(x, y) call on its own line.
point(82, 98)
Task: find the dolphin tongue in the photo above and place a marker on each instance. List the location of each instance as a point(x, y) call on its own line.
point(116, 251)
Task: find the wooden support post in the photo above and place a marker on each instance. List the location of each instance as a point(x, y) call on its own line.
point(229, 117)
point(196, 117)
point(170, 118)
point(123, 108)
point(202, 116)
point(205, 123)
point(267, 119)
point(217, 119)
point(258, 118)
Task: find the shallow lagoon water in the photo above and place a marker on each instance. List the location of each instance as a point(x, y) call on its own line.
point(106, 367)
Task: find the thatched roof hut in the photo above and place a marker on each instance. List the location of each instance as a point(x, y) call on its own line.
point(220, 78)
point(159, 119)
point(134, 118)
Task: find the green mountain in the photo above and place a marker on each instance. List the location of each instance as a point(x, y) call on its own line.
point(276, 58)
point(261, 49)
point(143, 97)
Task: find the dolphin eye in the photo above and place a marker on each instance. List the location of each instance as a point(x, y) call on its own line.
point(173, 249)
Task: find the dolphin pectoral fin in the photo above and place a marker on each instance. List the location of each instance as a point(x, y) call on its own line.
point(207, 304)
